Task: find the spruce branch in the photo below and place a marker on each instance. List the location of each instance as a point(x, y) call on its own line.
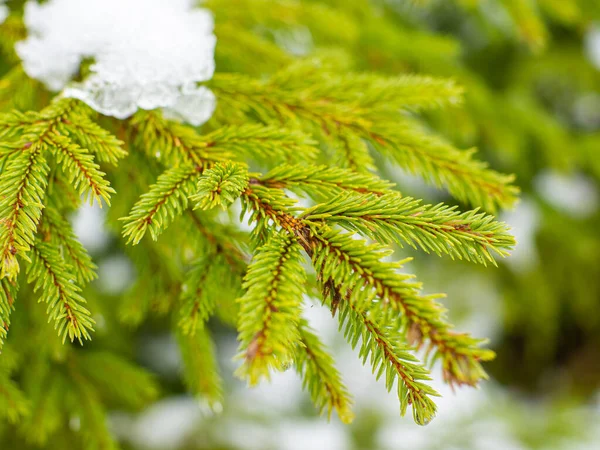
point(320, 108)
point(22, 189)
point(213, 280)
point(18, 91)
point(157, 208)
point(323, 182)
point(57, 230)
point(91, 411)
point(350, 151)
point(50, 275)
point(390, 218)
point(220, 185)
point(89, 135)
point(175, 143)
point(265, 144)
point(266, 206)
point(200, 367)
point(443, 165)
point(81, 170)
point(239, 49)
point(387, 354)
point(320, 377)
point(357, 271)
point(24, 178)
point(46, 392)
point(270, 309)
point(136, 387)
point(8, 294)
point(14, 406)
point(388, 95)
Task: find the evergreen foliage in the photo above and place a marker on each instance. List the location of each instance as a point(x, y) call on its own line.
point(300, 150)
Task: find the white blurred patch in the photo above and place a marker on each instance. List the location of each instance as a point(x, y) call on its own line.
point(524, 222)
point(161, 354)
point(165, 425)
point(575, 194)
point(88, 225)
point(281, 395)
point(4, 11)
point(320, 320)
point(248, 435)
point(116, 274)
point(592, 44)
point(586, 111)
point(147, 54)
point(313, 434)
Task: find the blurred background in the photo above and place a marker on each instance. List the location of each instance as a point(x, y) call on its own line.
point(531, 70)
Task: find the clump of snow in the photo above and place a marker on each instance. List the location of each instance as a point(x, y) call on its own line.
point(146, 54)
point(3, 12)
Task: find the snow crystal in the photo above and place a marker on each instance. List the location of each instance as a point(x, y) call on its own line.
point(146, 54)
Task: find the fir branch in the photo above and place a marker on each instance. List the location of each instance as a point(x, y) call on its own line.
point(325, 110)
point(270, 309)
point(157, 208)
point(388, 95)
point(8, 293)
point(220, 185)
point(239, 49)
point(440, 228)
point(170, 142)
point(221, 240)
point(94, 426)
point(57, 230)
point(175, 143)
point(22, 188)
point(16, 123)
point(52, 276)
point(350, 151)
point(82, 172)
point(18, 91)
point(136, 387)
point(216, 274)
point(13, 403)
point(46, 390)
point(105, 146)
point(320, 377)
point(267, 206)
point(213, 277)
point(387, 355)
point(264, 144)
point(200, 367)
point(443, 165)
point(357, 271)
point(322, 182)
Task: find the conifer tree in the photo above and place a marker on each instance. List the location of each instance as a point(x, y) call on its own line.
point(281, 196)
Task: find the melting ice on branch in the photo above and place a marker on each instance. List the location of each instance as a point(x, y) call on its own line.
point(146, 54)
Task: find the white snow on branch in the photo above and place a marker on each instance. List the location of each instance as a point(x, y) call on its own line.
point(146, 54)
